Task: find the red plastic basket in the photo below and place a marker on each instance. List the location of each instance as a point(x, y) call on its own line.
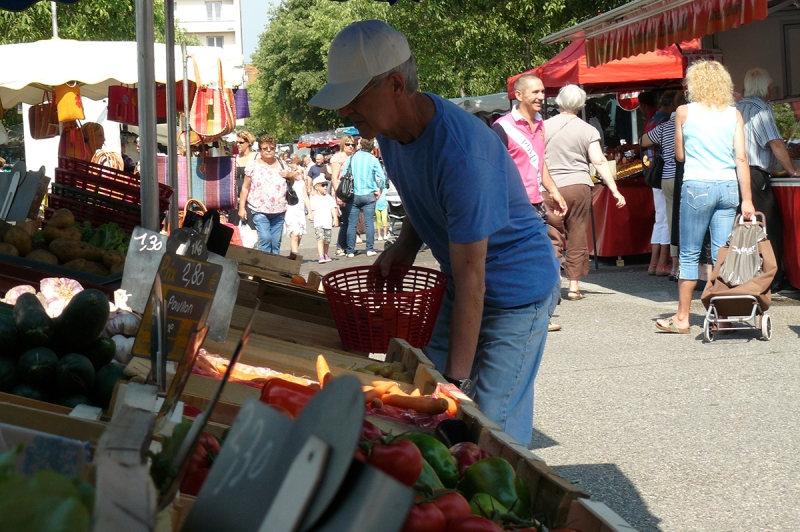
point(369, 310)
point(93, 208)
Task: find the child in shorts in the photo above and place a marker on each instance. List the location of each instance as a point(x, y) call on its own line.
point(323, 214)
point(382, 216)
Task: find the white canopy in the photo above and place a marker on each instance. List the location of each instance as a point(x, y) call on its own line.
point(489, 103)
point(30, 67)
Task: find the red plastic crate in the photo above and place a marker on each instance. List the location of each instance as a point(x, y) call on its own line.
point(369, 309)
point(89, 176)
point(96, 214)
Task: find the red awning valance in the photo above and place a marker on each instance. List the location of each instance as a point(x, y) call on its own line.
point(638, 32)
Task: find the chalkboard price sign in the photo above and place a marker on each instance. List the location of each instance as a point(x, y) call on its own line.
point(187, 287)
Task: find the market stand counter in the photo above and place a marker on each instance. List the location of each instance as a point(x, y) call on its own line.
point(624, 231)
point(787, 194)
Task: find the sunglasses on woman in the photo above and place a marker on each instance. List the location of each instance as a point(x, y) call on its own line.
point(349, 144)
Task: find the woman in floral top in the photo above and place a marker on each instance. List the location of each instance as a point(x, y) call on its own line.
point(264, 192)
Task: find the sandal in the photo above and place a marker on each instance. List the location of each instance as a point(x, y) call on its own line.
point(651, 270)
point(663, 271)
point(574, 296)
point(672, 328)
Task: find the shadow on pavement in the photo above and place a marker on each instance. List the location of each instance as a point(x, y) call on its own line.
point(541, 441)
point(610, 486)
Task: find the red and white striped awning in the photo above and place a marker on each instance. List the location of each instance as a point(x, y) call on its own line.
point(648, 25)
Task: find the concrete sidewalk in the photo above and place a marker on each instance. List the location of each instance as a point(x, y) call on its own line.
point(671, 433)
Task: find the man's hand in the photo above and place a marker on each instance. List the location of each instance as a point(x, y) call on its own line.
point(403, 251)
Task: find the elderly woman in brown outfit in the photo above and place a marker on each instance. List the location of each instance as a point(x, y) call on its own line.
point(571, 144)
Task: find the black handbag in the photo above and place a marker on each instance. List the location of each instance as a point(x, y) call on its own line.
point(291, 195)
point(653, 169)
point(346, 189)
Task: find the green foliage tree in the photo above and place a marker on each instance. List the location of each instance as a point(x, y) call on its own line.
point(462, 47)
point(87, 20)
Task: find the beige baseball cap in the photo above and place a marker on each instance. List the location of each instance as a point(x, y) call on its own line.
point(358, 53)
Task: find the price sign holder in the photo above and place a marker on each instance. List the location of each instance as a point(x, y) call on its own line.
point(143, 261)
point(180, 462)
point(182, 294)
point(266, 454)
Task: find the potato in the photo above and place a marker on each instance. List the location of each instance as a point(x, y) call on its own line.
point(87, 266)
point(112, 257)
point(66, 250)
point(9, 249)
point(118, 267)
point(20, 239)
point(42, 255)
point(52, 232)
point(4, 226)
point(62, 219)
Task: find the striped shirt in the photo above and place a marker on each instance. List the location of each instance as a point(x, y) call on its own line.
point(664, 135)
point(759, 129)
point(368, 175)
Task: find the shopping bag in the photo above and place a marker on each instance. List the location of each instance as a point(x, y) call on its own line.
point(123, 105)
point(743, 261)
point(72, 143)
point(211, 113)
point(248, 235)
point(241, 105)
point(653, 165)
point(43, 118)
point(68, 102)
point(161, 99)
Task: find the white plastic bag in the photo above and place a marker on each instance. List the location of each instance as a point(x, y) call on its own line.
point(249, 236)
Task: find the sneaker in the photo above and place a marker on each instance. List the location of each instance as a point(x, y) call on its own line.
point(350, 255)
point(327, 258)
point(552, 327)
point(322, 260)
point(358, 239)
point(371, 253)
point(380, 237)
point(339, 252)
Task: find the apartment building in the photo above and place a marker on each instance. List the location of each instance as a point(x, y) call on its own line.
point(216, 23)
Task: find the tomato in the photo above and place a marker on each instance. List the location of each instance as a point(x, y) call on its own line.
point(472, 523)
point(191, 411)
point(193, 481)
point(452, 505)
point(424, 517)
point(370, 431)
point(400, 459)
point(210, 443)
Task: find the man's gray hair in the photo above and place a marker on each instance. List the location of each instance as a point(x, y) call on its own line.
point(666, 99)
point(409, 71)
point(523, 81)
point(756, 83)
point(571, 98)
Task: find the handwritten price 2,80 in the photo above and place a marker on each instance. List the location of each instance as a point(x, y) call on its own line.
point(193, 276)
point(148, 243)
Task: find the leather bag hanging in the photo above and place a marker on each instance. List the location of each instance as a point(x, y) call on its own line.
point(68, 102)
point(161, 99)
point(72, 143)
point(43, 119)
point(346, 189)
point(211, 114)
point(123, 105)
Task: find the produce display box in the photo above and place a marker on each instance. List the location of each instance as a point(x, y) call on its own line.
point(15, 271)
point(49, 418)
point(289, 300)
point(286, 328)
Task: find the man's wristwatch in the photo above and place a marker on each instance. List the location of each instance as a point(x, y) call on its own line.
point(465, 385)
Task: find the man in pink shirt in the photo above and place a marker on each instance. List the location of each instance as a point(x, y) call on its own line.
point(522, 132)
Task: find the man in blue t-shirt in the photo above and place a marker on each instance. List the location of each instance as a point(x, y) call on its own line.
point(464, 198)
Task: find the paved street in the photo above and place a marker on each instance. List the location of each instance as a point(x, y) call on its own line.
point(671, 433)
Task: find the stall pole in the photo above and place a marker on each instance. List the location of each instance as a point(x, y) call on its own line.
point(53, 11)
point(147, 114)
point(185, 121)
point(172, 142)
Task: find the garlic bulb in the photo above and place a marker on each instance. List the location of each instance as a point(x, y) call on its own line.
point(124, 348)
point(124, 323)
point(13, 294)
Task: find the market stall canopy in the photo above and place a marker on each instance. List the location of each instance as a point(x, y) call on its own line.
point(651, 70)
point(318, 140)
point(489, 103)
point(648, 25)
point(30, 67)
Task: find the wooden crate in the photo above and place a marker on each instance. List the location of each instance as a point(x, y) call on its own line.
point(52, 419)
point(587, 515)
point(287, 328)
point(291, 301)
point(261, 265)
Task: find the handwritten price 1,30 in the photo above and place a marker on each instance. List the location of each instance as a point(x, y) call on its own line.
point(148, 242)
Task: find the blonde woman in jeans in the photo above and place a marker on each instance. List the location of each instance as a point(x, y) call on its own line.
point(709, 137)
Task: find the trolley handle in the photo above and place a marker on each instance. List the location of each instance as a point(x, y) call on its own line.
point(758, 218)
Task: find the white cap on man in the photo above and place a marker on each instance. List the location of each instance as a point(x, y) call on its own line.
point(319, 180)
point(359, 52)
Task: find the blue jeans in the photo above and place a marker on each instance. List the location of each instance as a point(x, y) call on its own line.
point(341, 240)
point(364, 203)
point(705, 206)
point(270, 231)
point(510, 348)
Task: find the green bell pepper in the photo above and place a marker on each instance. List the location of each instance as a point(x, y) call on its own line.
point(438, 456)
point(485, 505)
point(496, 477)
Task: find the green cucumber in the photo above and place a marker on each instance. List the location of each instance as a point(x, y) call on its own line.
point(101, 352)
point(34, 326)
point(75, 375)
point(38, 367)
point(82, 321)
point(8, 374)
point(8, 337)
point(105, 381)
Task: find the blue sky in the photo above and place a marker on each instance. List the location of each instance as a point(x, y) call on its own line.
point(254, 18)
